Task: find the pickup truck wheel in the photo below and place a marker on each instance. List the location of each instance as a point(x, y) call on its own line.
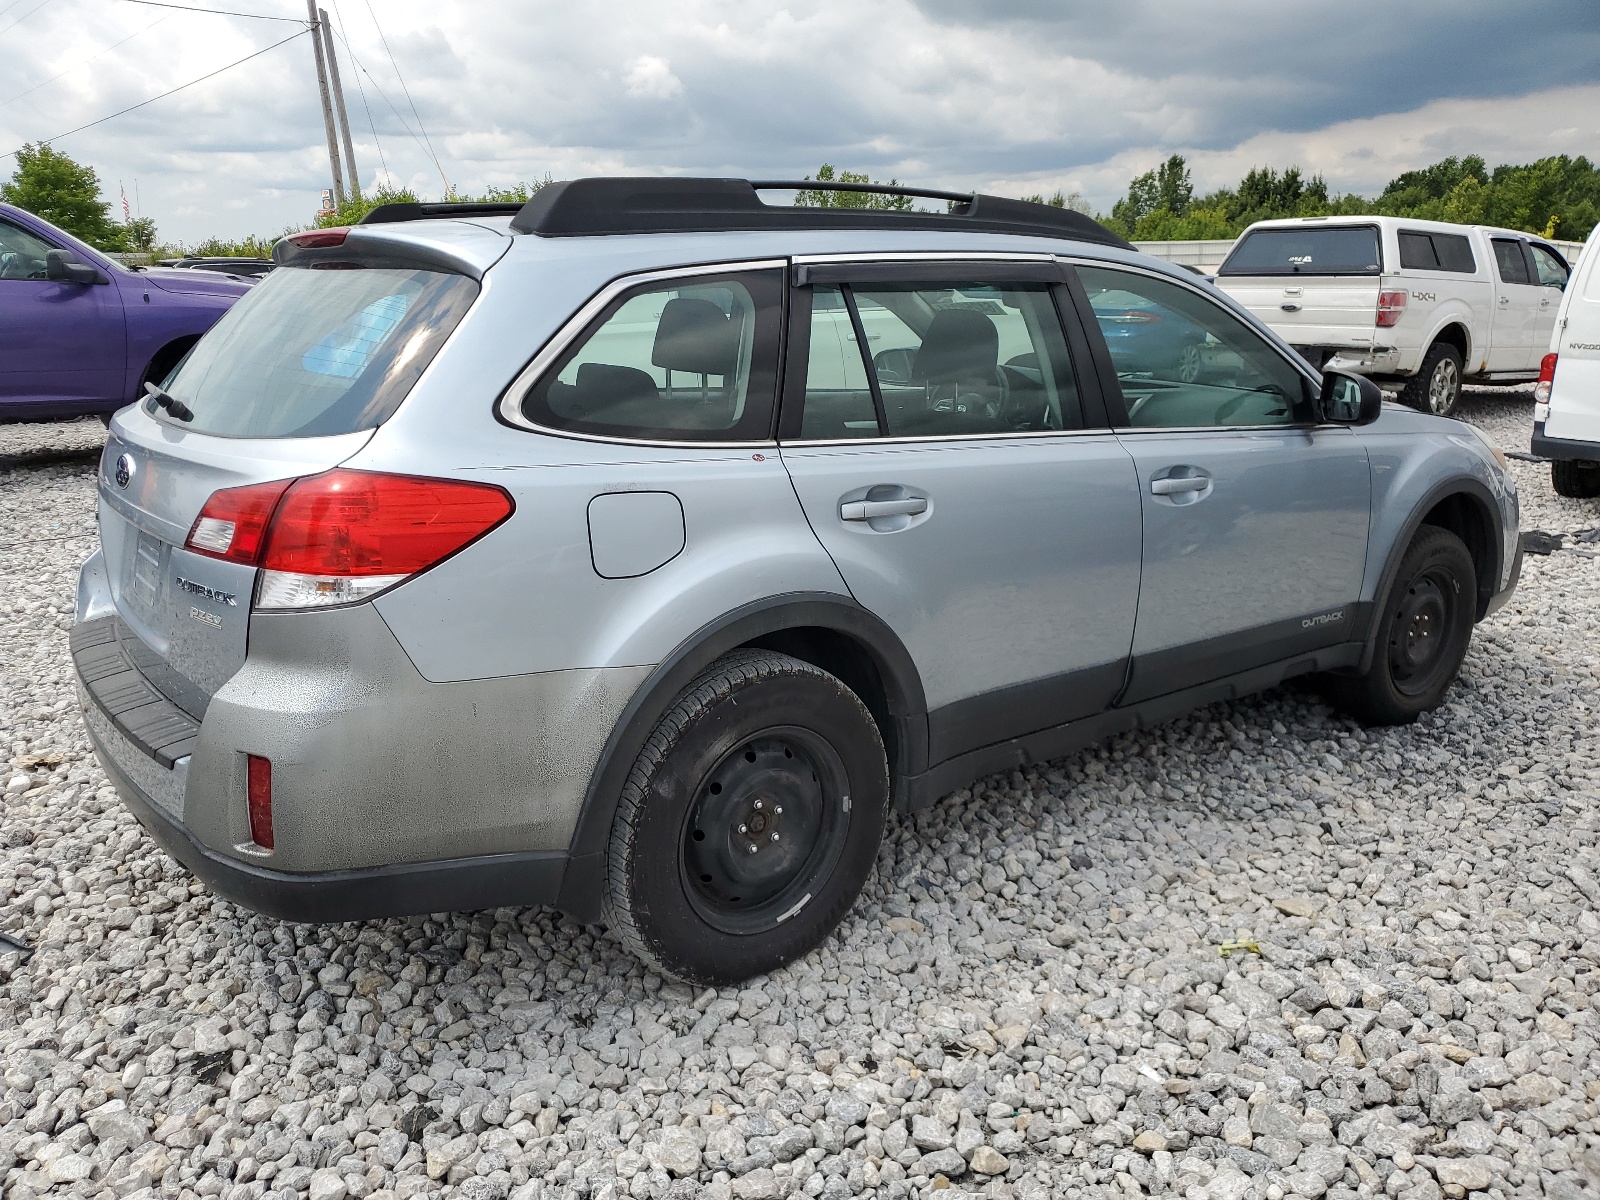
point(749, 823)
point(1424, 628)
point(1577, 479)
point(1436, 386)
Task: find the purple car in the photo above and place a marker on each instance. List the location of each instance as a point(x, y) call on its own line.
point(80, 333)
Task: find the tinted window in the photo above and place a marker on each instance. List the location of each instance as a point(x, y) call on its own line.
point(1509, 259)
point(691, 359)
point(1183, 361)
point(1455, 253)
point(1319, 251)
point(309, 353)
point(1416, 252)
point(22, 256)
point(1552, 270)
point(948, 360)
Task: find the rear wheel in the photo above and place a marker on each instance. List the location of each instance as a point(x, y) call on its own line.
point(1424, 628)
point(1576, 478)
point(750, 821)
point(1436, 387)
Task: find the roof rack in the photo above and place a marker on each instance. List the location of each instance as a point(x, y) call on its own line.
point(639, 204)
point(412, 211)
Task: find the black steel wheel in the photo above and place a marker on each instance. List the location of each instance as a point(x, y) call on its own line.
point(750, 821)
point(1424, 628)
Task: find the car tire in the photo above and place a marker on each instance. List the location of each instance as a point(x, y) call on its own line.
point(1576, 479)
point(1436, 387)
point(1424, 628)
point(761, 748)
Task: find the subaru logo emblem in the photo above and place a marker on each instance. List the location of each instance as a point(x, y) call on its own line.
point(124, 470)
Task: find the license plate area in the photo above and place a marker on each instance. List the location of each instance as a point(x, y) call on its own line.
point(146, 564)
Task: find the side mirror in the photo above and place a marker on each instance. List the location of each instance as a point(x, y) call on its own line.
point(1349, 399)
point(60, 266)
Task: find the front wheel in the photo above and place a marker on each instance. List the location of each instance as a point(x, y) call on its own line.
point(1436, 387)
point(1576, 479)
point(750, 821)
point(1424, 628)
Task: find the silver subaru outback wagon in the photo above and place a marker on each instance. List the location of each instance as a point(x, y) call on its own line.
point(634, 550)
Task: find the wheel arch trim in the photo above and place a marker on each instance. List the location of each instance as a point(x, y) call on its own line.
point(905, 700)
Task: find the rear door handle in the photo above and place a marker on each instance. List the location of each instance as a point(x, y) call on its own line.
point(1176, 487)
point(866, 510)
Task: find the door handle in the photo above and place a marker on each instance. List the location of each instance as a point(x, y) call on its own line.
point(1176, 487)
point(1505, 299)
point(866, 510)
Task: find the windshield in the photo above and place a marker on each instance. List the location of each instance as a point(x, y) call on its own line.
point(312, 353)
point(1321, 251)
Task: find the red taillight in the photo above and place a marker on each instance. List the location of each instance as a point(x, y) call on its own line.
point(1390, 306)
point(1547, 379)
point(320, 239)
point(233, 523)
point(350, 523)
point(258, 791)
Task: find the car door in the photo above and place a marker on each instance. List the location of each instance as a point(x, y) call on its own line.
point(962, 478)
point(1255, 517)
point(1513, 341)
point(61, 343)
point(1550, 271)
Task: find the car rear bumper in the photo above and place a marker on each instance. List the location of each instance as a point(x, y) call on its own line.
point(1563, 449)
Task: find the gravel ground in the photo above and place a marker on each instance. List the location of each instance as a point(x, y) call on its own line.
point(1029, 1000)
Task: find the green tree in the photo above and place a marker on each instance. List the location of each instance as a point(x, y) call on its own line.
point(822, 197)
point(140, 234)
point(63, 192)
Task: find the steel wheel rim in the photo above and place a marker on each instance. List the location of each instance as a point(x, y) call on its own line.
point(1442, 386)
point(783, 791)
point(1420, 633)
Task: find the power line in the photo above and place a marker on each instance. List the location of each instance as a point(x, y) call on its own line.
point(377, 87)
point(361, 91)
point(85, 62)
point(393, 63)
point(24, 16)
point(221, 12)
point(173, 91)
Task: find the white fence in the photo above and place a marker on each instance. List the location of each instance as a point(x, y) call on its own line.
point(1208, 255)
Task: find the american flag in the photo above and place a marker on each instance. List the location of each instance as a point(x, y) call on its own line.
point(127, 214)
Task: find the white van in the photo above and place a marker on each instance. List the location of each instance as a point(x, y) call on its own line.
point(1423, 304)
point(1566, 413)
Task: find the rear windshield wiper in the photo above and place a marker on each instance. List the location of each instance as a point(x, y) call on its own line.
point(171, 403)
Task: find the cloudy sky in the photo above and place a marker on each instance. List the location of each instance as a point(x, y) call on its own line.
point(1011, 96)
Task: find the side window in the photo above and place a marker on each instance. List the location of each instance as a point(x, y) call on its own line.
point(690, 359)
point(1455, 253)
point(941, 360)
point(1509, 258)
point(1416, 252)
point(1552, 271)
point(22, 255)
point(1186, 362)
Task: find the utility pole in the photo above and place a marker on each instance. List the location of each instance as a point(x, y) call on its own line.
point(327, 107)
point(338, 103)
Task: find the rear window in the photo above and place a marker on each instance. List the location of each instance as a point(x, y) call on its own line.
point(1437, 252)
point(317, 352)
point(1319, 251)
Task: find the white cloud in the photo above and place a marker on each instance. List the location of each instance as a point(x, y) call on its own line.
point(1020, 97)
point(651, 78)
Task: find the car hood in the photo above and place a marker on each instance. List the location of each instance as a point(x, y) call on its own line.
point(196, 283)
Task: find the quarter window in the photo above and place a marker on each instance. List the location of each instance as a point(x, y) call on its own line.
point(688, 359)
point(1185, 362)
point(940, 360)
point(1437, 252)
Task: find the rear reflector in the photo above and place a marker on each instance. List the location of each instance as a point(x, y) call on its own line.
point(1390, 307)
point(342, 536)
point(1547, 379)
point(320, 239)
point(258, 788)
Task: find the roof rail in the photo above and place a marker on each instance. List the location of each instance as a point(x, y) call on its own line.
point(640, 204)
point(413, 211)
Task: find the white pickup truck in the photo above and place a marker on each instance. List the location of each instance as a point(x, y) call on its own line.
point(1420, 303)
